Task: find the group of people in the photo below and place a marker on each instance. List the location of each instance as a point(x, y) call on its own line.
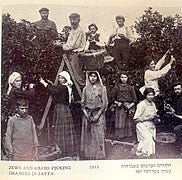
point(131, 114)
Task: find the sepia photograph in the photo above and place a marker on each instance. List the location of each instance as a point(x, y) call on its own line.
point(90, 83)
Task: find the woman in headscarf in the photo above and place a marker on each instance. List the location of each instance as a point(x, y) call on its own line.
point(64, 132)
point(94, 104)
point(16, 91)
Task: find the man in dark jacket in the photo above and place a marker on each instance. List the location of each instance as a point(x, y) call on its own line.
point(45, 24)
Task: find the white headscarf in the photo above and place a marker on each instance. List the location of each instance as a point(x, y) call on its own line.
point(98, 75)
point(68, 83)
point(11, 79)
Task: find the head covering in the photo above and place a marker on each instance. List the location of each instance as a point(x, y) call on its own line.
point(11, 79)
point(74, 15)
point(93, 93)
point(120, 17)
point(93, 24)
point(88, 73)
point(43, 9)
point(68, 83)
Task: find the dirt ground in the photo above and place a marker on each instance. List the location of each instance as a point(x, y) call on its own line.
point(163, 150)
point(119, 151)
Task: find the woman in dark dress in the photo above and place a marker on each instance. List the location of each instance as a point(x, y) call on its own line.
point(64, 133)
point(16, 91)
point(124, 97)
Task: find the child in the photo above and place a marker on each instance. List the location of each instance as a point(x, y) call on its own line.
point(124, 97)
point(21, 138)
point(64, 132)
point(15, 92)
point(92, 37)
point(144, 116)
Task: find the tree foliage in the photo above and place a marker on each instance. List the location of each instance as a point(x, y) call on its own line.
point(157, 34)
point(30, 52)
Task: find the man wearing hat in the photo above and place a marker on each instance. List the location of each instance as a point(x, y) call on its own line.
point(120, 41)
point(76, 43)
point(46, 24)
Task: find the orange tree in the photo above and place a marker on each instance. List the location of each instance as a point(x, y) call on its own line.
point(156, 34)
point(30, 52)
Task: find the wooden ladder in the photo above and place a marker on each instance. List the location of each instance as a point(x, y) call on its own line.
point(65, 61)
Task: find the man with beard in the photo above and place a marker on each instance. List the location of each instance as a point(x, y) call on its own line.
point(176, 111)
point(45, 24)
point(177, 105)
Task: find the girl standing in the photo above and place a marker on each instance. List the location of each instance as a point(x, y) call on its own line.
point(124, 97)
point(94, 104)
point(145, 128)
point(64, 133)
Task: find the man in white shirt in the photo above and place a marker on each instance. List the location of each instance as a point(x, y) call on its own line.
point(76, 43)
point(120, 40)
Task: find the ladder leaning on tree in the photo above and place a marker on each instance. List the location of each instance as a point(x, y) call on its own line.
point(65, 61)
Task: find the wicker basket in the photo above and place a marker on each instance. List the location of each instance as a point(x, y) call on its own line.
point(165, 137)
point(49, 153)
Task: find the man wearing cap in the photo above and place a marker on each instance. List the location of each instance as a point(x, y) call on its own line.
point(76, 39)
point(46, 24)
point(76, 43)
point(120, 41)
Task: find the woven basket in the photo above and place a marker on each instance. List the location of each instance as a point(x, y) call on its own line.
point(165, 137)
point(51, 152)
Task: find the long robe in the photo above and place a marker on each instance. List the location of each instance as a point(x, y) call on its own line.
point(94, 99)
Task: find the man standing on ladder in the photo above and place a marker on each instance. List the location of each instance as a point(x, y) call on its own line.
point(76, 43)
